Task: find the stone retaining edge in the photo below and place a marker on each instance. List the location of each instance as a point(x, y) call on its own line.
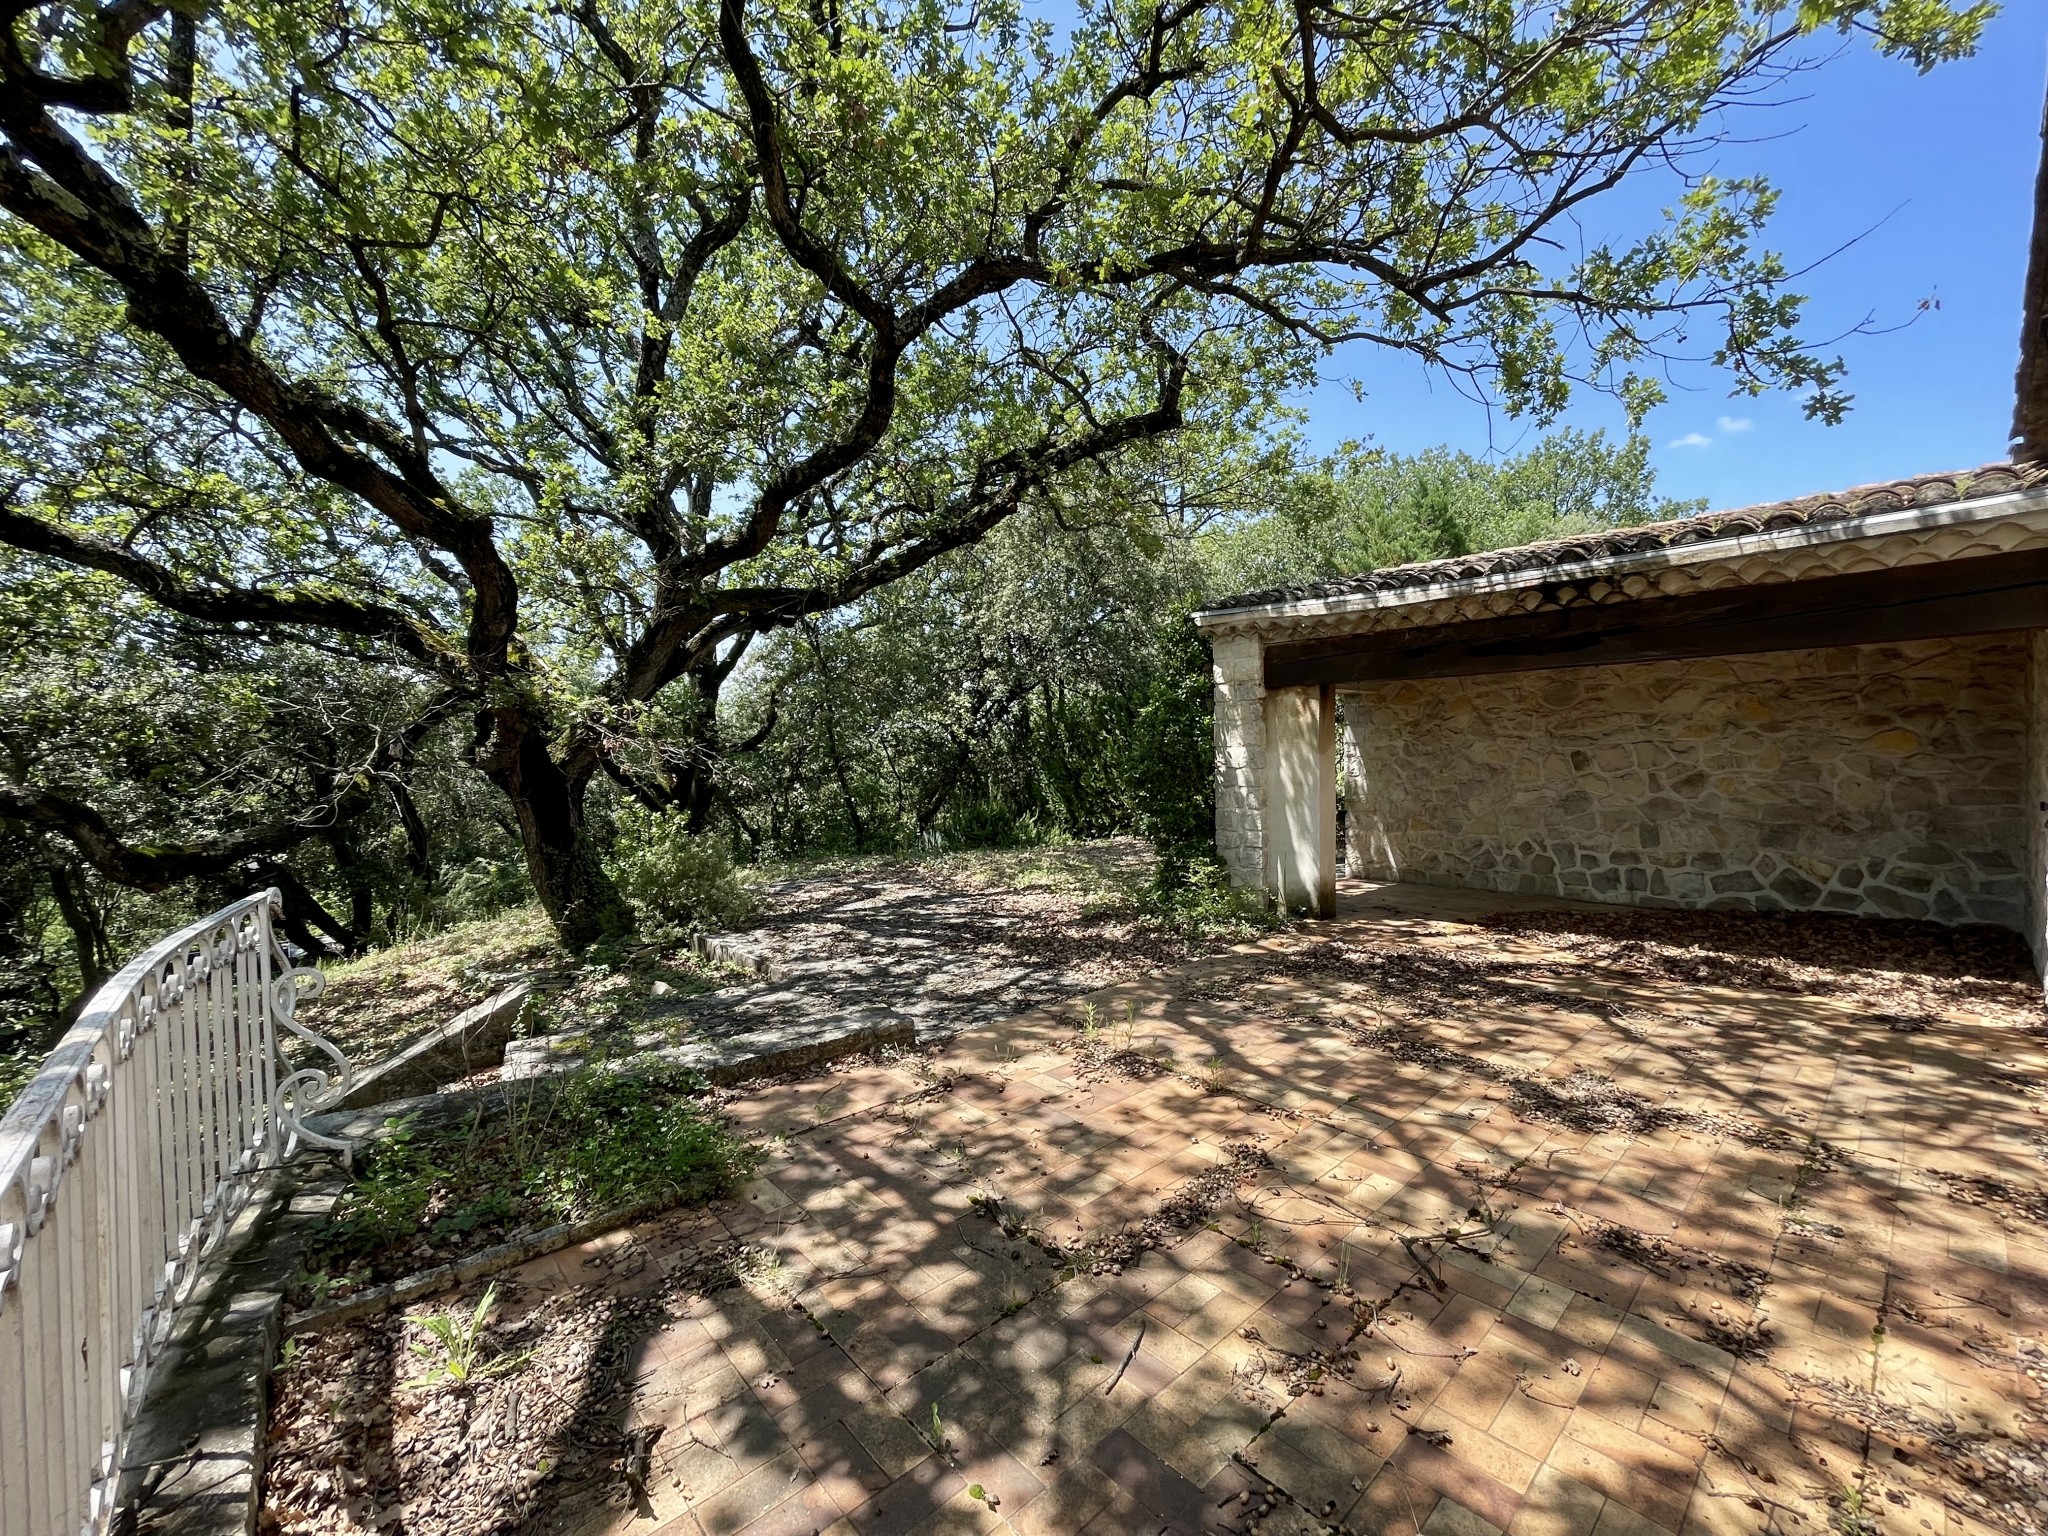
point(740, 950)
point(489, 1261)
point(366, 1124)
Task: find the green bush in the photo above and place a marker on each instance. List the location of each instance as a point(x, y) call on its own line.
point(676, 877)
point(617, 1137)
point(1193, 896)
point(482, 888)
point(982, 822)
point(604, 1139)
point(391, 1189)
point(1170, 766)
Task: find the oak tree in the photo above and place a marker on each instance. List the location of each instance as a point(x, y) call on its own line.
point(553, 351)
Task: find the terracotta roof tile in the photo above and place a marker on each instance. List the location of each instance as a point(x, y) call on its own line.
point(1836, 506)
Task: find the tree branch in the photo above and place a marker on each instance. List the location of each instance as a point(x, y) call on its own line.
point(144, 868)
point(73, 198)
point(234, 605)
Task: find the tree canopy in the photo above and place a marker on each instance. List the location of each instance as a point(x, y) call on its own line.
point(545, 356)
point(1048, 680)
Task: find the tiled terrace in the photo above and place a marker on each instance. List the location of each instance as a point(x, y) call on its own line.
point(1431, 1227)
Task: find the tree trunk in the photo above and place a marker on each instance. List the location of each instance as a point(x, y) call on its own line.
point(574, 890)
point(88, 940)
point(860, 835)
point(701, 793)
point(685, 778)
point(355, 879)
point(304, 913)
point(419, 852)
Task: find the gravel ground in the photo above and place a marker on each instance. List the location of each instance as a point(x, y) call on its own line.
point(932, 941)
point(952, 942)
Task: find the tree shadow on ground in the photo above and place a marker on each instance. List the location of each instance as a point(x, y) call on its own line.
point(1787, 951)
point(1021, 1237)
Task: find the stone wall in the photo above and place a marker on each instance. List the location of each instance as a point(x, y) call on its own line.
point(2035, 806)
point(1886, 779)
point(1240, 729)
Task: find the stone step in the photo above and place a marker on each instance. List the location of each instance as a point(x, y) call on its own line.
point(471, 1041)
point(770, 1051)
point(743, 950)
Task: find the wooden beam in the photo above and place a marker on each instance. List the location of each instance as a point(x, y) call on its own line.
point(1981, 595)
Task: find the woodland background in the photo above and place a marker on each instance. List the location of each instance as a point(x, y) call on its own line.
point(1045, 684)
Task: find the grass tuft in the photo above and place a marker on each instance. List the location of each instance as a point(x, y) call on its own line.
point(605, 1139)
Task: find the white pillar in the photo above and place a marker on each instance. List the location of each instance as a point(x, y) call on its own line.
point(1240, 672)
point(1301, 799)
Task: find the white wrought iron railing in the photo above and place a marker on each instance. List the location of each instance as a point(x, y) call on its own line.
point(122, 1164)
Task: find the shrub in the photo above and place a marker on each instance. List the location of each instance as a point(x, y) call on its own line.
point(1170, 767)
point(1192, 896)
point(482, 888)
point(391, 1189)
point(605, 1138)
point(983, 822)
point(613, 1137)
point(674, 876)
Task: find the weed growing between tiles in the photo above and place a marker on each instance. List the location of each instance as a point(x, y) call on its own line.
point(2003, 1477)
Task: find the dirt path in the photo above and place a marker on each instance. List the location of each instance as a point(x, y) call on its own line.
point(953, 942)
point(947, 952)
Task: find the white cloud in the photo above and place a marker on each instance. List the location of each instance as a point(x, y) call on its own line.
point(1733, 423)
point(1691, 440)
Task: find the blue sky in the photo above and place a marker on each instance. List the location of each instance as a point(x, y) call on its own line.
point(1943, 165)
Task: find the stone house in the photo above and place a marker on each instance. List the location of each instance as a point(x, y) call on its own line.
point(1838, 703)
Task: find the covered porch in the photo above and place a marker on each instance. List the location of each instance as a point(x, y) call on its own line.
point(1832, 704)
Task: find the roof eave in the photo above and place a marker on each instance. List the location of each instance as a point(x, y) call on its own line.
point(1743, 546)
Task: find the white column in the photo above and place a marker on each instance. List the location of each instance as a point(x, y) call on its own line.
point(1301, 799)
point(1239, 669)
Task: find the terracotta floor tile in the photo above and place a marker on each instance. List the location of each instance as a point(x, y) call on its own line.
point(1619, 1520)
point(804, 1514)
point(1590, 1404)
point(1442, 1468)
point(1159, 1492)
point(1638, 1472)
point(1393, 1504)
point(1450, 1518)
point(839, 1463)
point(1005, 1478)
point(741, 1505)
point(908, 1501)
point(1073, 1498)
point(1529, 1424)
point(1476, 1392)
point(1558, 1505)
